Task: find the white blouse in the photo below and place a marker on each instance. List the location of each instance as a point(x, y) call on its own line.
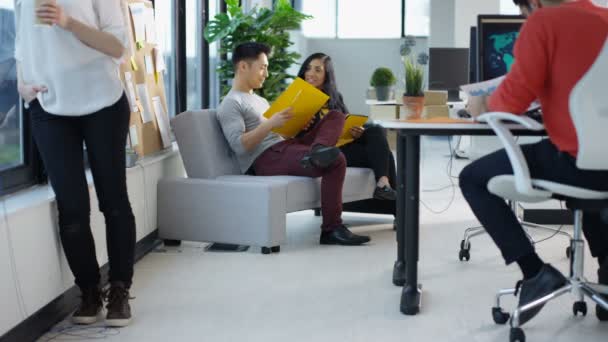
point(80, 79)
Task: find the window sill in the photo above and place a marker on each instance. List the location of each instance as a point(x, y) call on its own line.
point(41, 194)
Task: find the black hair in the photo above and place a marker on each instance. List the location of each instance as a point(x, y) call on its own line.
point(330, 87)
point(525, 3)
point(248, 52)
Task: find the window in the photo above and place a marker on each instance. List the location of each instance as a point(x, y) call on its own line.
point(360, 19)
point(11, 146)
point(18, 160)
point(323, 23)
point(214, 61)
point(194, 41)
point(418, 17)
point(164, 12)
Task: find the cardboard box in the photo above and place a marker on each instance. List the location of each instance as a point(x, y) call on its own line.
point(430, 112)
point(435, 98)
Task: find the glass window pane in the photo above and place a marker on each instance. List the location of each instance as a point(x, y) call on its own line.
point(361, 19)
point(11, 146)
point(323, 25)
point(214, 61)
point(194, 40)
point(417, 17)
point(164, 19)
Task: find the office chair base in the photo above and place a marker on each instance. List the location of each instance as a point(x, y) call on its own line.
point(465, 244)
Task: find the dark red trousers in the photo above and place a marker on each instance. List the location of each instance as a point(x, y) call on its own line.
point(284, 159)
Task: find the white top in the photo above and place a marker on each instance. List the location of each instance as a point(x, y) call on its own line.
point(80, 80)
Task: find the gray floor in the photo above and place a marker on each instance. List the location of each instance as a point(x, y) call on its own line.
point(310, 292)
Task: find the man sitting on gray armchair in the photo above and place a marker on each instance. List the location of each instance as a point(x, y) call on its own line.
point(265, 153)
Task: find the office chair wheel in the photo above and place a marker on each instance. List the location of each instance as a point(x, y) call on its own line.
point(568, 252)
point(266, 250)
point(275, 249)
point(601, 313)
point(580, 307)
point(517, 335)
point(464, 253)
point(499, 316)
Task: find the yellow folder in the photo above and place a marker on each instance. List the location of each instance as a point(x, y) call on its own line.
point(352, 120)
point(305, 101)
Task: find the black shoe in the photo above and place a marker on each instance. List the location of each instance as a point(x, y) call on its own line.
point(342, 236)
point(546, 281)
point(320, 156)
point(602, 277)
point(385, 193)
point(119, 310)
point(90, 307)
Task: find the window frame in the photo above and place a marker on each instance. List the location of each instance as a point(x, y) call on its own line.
point(298, 5)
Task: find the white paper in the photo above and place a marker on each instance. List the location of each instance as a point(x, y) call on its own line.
point(149, 65)
point(486, 88)
point(139, 20)
point(159, 60)
point(150, 25)
point(133, 136)
point(144, 97)
point(162, 120)
point(125, 9)
point(131, 92)
point(482, 88)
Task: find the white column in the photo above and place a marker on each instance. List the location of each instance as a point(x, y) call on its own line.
point(442, 23)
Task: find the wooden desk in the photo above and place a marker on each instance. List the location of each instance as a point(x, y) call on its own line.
point(408, 193)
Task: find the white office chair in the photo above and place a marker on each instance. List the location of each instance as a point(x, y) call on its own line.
point(589, 110)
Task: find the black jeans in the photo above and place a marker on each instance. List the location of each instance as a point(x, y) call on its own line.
point(544, 162)
point(371, 150)
point(60, 142)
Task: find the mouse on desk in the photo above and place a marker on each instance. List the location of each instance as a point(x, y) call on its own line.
point(463, 113)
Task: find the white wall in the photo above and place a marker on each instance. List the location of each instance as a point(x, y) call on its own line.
point(38, 271)
point(355, 61)
point(451, 20)
point(442, 23)
point(466, 16)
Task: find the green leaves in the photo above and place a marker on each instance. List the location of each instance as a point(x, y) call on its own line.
point(260, 25)
point(414, 77)
point(382, 77)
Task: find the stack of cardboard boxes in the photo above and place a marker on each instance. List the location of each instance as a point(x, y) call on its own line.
point(435, 104)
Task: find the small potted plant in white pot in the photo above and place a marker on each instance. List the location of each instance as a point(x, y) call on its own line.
point(382, 80)
point(413, 98)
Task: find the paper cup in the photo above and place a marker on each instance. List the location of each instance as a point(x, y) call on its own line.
point(37, 4)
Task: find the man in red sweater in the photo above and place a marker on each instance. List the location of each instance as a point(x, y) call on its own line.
point(556, 46)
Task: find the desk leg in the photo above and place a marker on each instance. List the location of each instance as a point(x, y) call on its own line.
point(399, 267)
point(410, 297)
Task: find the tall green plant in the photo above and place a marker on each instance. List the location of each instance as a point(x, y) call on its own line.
point(260, 25)
point(414, 78)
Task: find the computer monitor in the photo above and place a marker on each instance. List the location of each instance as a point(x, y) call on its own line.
point(448, 70)
point(473, 55)
point(496, 35)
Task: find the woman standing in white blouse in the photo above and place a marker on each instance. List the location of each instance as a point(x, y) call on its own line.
point(68, 76)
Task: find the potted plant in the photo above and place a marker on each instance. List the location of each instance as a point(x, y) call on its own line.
point(382, 80)
point(262, 25)
point(413, 98)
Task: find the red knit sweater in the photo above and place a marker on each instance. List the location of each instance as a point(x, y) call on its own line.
point(555, 47)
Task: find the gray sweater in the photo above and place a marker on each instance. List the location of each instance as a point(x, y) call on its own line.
point(239, 113)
